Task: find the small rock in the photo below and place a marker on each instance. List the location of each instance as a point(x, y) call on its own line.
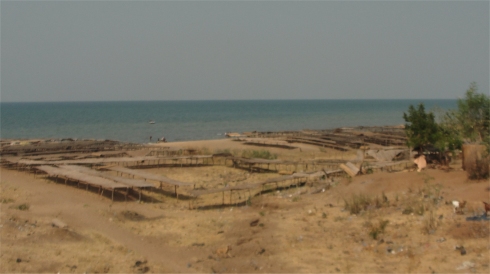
point(18, 260)
point(254, 222)
point(466, 265)
point(58, 223)
point(223, 252)
point(440, 240)
point(139, 263)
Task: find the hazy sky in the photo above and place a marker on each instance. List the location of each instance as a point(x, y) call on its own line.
point(153, 50)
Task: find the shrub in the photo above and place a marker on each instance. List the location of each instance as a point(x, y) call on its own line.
point(360, 202)
point(222, 151)
point(262, 154)
point(376, 230)
point(249, 201)
point(205, 151)
point(23, 207)
point(430, 223)
point(357, 203)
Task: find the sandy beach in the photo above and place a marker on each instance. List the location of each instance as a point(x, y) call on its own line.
point(301, 228)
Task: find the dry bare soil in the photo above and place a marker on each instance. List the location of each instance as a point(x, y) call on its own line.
point(406, 225)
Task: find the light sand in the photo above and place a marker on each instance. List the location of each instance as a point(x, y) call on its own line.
point(294, 233)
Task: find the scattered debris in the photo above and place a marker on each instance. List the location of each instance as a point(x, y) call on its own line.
point(466, 265)
point(58, 223)
point(440, 240)
point(461, 249)
point(385, 155)
point(478, 218)
point(350, 169)
point(223, 252)
point(458, 206)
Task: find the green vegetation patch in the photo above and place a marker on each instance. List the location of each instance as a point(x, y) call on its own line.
point(261, 154)
point(23, 207)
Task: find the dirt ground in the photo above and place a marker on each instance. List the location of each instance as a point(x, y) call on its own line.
point(411, 228)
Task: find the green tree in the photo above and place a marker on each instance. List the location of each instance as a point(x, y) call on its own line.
point(470, 121)
point(421, 128)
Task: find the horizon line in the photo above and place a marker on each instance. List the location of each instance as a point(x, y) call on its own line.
point(222, 100)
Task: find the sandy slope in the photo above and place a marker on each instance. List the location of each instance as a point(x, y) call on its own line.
point(296, 231)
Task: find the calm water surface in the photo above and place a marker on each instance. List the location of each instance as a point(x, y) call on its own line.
point(195, 120)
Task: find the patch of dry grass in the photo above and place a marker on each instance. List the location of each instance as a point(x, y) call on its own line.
point(361, 202)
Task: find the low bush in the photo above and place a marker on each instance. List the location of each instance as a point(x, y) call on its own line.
point(430, 223)
point(361, 202)
point(205, 151)
point(23, 207)
point(261, 154)
point(376, 229)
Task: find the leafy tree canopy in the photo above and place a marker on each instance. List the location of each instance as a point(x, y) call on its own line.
point(470, 121)
point(421, 128)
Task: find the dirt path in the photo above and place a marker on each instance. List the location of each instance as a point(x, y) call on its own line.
point(88, 212)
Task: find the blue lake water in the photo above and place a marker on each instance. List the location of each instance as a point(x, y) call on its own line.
point(196, 120)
